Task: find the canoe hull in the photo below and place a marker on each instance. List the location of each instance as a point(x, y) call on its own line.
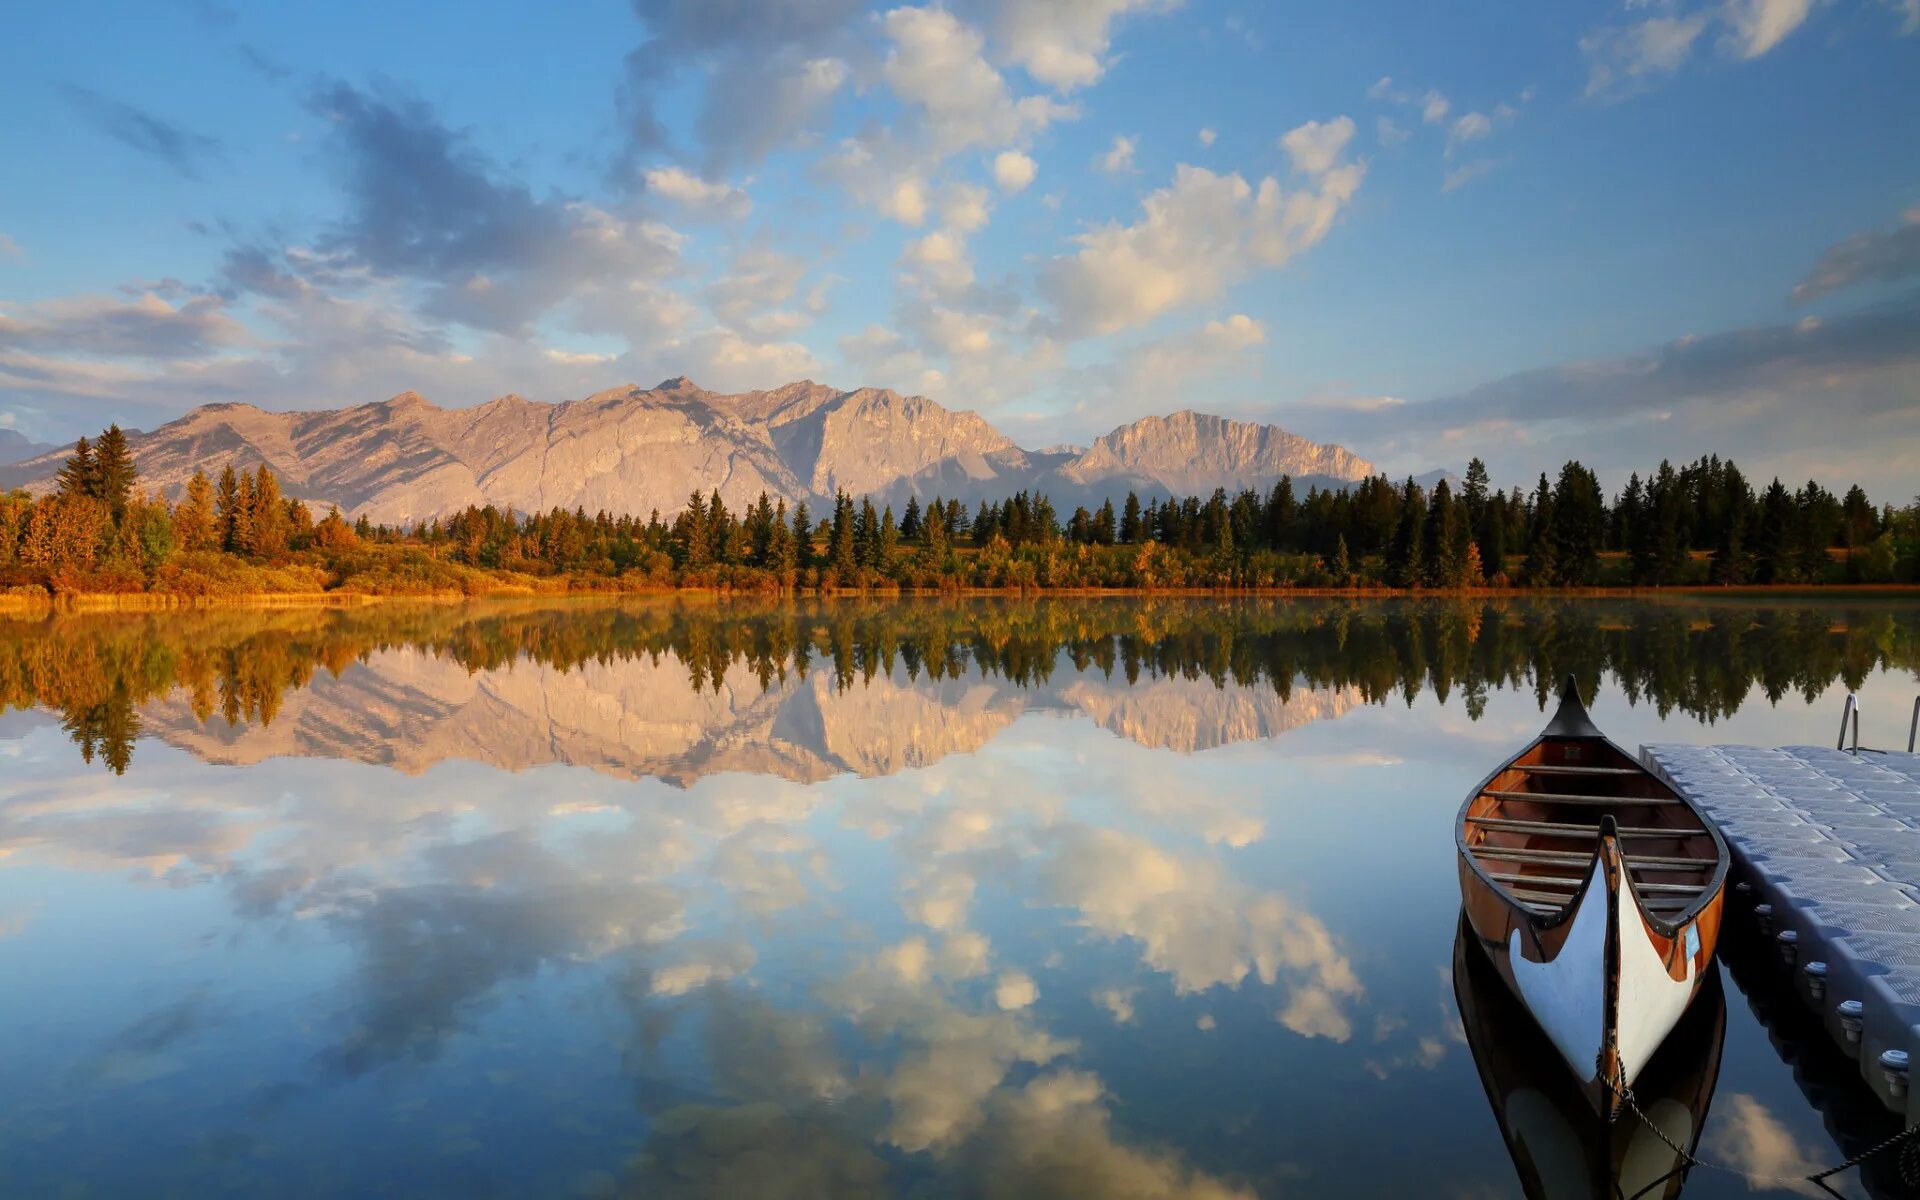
point(1605, 980)
point(1560, 1148)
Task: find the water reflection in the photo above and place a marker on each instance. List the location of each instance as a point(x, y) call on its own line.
point(1561, 1148)
point(804, 692)
point(936, 899)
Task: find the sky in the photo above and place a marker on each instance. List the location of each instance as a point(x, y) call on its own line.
point(1612, 231)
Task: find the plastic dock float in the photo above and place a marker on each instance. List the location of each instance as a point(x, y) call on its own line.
point(1826, 861)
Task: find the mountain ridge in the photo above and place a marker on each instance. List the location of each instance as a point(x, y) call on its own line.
point(632, 449)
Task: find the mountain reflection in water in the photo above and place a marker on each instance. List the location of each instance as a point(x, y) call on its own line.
point(808, 691)
point(844, 898)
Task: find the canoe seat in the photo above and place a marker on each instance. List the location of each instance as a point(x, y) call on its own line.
point(1635, 862)
point(1574, 882)
point(1576, 798)
point(1565, 829)
point(1561, 769)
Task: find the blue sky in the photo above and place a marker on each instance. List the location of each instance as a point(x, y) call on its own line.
point(1525, 231)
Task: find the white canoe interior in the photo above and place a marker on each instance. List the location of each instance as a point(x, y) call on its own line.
point(1535, 826)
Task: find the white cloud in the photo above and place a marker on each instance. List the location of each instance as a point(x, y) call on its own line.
point(1195, 238)
point(1119, 156)
point(694, 193)
point(1389, 132)
point(1015, 990)
point(936, 64)
point(1757, 26)
point(726, 361)
point(1469, 128)
point(965, 207)
point(1628, 58)
point(1434, 108)
point(11, 249)
point(1013, 171)
point(906, 203)
point(940, 258)
point(1624, 59)
point(1207, 136)
point(1316, 146)
point(1063, 43)
point(1467, 172)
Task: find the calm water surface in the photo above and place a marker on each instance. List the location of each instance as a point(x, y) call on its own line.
point(1088, 898)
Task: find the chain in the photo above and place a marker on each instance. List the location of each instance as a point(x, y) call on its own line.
point(1819, 1180)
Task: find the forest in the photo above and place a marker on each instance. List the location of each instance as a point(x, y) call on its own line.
point(1702, 524)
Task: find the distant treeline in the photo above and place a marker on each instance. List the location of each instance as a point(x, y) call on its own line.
point(1698, 524)
point(1700, 657)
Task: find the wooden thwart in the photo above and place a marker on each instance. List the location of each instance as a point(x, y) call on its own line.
point(1554, 902)
point(1559, 769)
point(1565, 829)
point(1573, 882)
point(1571, 798)
point(1637, 862)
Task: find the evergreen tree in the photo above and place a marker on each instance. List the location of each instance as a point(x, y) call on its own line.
point(1539, 566)
point(271, 528)
point(910, 520)
point(113, 471)
point(1473, 498)
point(1105, 527)
point(1579, 526)
point(195, 523)
point(885, 543)
point(1439, 550)
point(1341, 568)
point(840, 548)
point(1773, 540)
point(802, 536)
point(1282, 514)
point(1406, 566)
point(80, 476)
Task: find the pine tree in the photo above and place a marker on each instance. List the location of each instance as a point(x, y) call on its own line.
point(269, 512)
point(1579, 525)
point(1539, 566)
point(1473, 496)
point(113, 471)
point(1281, 515)
point(910, 520)
point(1405, 565)
point(1773, 542)
point(80, 476)
point(1105, 527)
point(1439, 546)
point(1132, 531)
point(195, 524)
point(802, 536)
point(1342, 567)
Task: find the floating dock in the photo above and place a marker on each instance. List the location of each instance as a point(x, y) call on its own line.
point(1826, 862)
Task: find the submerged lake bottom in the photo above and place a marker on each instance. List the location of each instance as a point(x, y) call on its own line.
point(1089, 897)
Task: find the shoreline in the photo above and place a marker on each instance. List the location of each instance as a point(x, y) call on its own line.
point(16, 605)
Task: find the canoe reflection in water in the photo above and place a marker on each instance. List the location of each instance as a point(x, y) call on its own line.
point(1561, 1147)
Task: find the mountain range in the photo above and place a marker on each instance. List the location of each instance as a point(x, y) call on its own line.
point(637, 450)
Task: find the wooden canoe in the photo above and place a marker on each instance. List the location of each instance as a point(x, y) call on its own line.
point(1561, 1148)
point(1596, 892)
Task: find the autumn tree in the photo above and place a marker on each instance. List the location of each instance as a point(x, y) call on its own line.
point(195, 523)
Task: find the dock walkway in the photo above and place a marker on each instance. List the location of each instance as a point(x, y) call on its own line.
point(1826, 859)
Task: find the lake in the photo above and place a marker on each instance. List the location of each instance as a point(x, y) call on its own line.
point(1070, 897)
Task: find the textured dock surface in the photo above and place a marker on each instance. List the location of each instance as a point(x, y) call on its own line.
point(1827, 846)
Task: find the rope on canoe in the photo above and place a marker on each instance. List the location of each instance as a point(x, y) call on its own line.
point(1818, 1179)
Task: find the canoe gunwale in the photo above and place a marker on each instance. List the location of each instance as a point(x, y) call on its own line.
point(1667, 925)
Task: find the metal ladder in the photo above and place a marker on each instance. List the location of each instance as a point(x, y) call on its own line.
point(1851, 713)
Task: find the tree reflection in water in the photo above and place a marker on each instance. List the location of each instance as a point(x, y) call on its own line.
point(1699, 657)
